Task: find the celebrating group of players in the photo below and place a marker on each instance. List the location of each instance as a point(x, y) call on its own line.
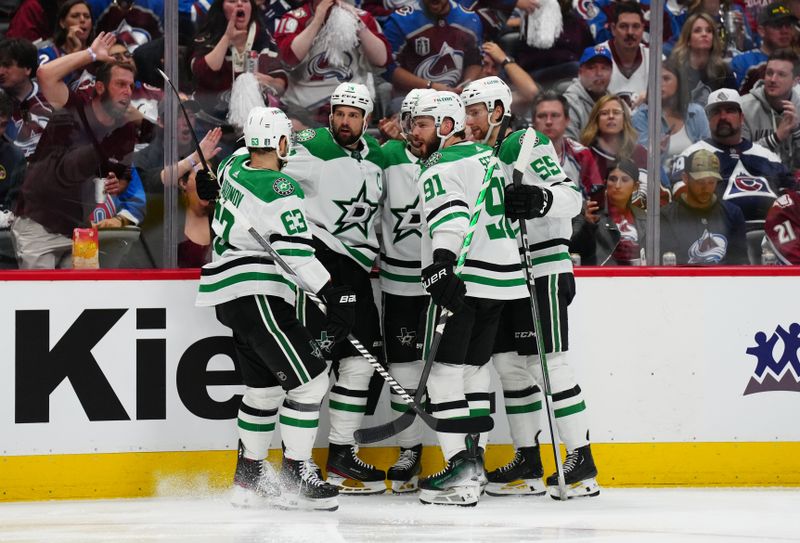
point(332, 203)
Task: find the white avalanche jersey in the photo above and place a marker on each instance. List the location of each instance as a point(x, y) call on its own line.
point(635, 85)
point(342, 188)
point(548, 236)
point(401, 237)
point(273, 203)
point(449, 185)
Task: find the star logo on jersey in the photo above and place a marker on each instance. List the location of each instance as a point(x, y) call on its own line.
point(306, 135)
point(315, 350)
point(356, 213)
point(406, 336)
point(433, 159)
point(283, 186)
point(408, 221)
point(325, 342)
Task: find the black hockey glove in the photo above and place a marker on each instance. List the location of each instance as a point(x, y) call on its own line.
point(445, 287)
point(527, 201)
point(207, 185)
point(341, 307)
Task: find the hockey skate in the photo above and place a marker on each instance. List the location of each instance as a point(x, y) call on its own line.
point(520, 477)
point(459, 482)
point(255, 483)
point(579, 475)
point(404, 474)
point(350, 474)
point(303, 488)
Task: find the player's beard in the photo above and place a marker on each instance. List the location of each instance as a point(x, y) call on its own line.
point(427, 148)
point(349, 139)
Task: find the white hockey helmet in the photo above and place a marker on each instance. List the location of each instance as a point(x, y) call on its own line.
point(354, 95)
point(488, 91)
point(265, 127)
point(408, 104)
point(441, 105)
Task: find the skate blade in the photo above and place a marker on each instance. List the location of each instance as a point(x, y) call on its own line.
point(249, 499)
point(404, 487)
point(520, 487)
point(582, 489)
point(464, 496)
point(300, 503)
point(352, 486)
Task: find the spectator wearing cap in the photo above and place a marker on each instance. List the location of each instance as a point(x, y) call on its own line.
point(772, 109)
point(611, 231)
point(699, 226)
point(594, 74)
point(776, 26)
point(630, 57)
point(30, 110)
point(751, 175)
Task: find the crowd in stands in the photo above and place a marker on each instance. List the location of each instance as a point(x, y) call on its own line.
point(81, 107)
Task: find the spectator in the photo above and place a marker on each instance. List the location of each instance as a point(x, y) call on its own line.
point(594, 75)
point(772, 109)
point(34, 20)
point(699, 227)
point(783, 228)
point(776, 26)
point(325, 43)
point(133, 22)
point(435, 45)
point(73, 33)
point(195, 249)
point(682, 122)
point(752, 175)
point(611, 230)
point(699, 55)
point(222, 52)
point(551, 118)
point(630, 57)
point(494, 60)
point(611, 137)
point(12, 165)
point(30, 111)
point(84, 140)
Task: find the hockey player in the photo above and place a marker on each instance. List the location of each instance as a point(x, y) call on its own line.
point(403, 298)
point(449, 186)
point(340, 169)
point(277, 356)
point(551, 200)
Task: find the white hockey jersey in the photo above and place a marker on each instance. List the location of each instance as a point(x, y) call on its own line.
point(548, 236)
point(342, 189)
point(401, 237)
point(273, 203)
point(634, 86)
point(449, 186)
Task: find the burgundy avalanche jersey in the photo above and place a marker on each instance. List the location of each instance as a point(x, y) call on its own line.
point(434, 49)
point(783, 227)
point(133, 25)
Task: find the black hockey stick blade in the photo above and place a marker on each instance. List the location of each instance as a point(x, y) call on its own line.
point(378, 433)
point(467, 425)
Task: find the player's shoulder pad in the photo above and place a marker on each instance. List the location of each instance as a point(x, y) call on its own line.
point(266, 185)
point(394, 152)
point(512, 145)
point(319, 143)
point(375, 154)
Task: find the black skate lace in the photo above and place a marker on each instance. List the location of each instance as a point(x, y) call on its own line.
point(407, 459)
point(571, 461)
point(359, 461)
point(309, 472)
point(514, 463)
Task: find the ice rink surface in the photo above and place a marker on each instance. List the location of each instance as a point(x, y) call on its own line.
point(628, 515)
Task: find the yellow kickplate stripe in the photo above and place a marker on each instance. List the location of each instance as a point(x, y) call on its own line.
point(124, 475)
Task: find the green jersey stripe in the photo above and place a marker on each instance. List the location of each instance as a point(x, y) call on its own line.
point(362, 258)
point(285, 345)
point(295, 252)
point(555, 316)
point(449, 217)
point(245, 276)
point(333, 404)
point(527, 408)
point(401, 278)
point(566, 411)
point(550, 258)
point(399, 407)
point(250, 427)
point(493, 282)
point(299, 423)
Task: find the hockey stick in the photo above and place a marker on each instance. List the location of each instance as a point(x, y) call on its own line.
point(458, 426)
point(393, 427)
point(188, 122)
point(521, 163)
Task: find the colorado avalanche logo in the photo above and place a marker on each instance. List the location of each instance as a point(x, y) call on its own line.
point(446, 66)
point(318, 68)
point(709, 249)
point(746, 185)
point(587, 9)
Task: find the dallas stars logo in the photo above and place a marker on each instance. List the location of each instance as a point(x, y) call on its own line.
point(406, 336)
point(408, 221)
point(315, 351)
point(283, 186)
point(356, 212)
point(325, 341)
point(306, 135)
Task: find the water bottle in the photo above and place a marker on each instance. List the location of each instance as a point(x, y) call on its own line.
point(669, 259)
point(768, 258)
